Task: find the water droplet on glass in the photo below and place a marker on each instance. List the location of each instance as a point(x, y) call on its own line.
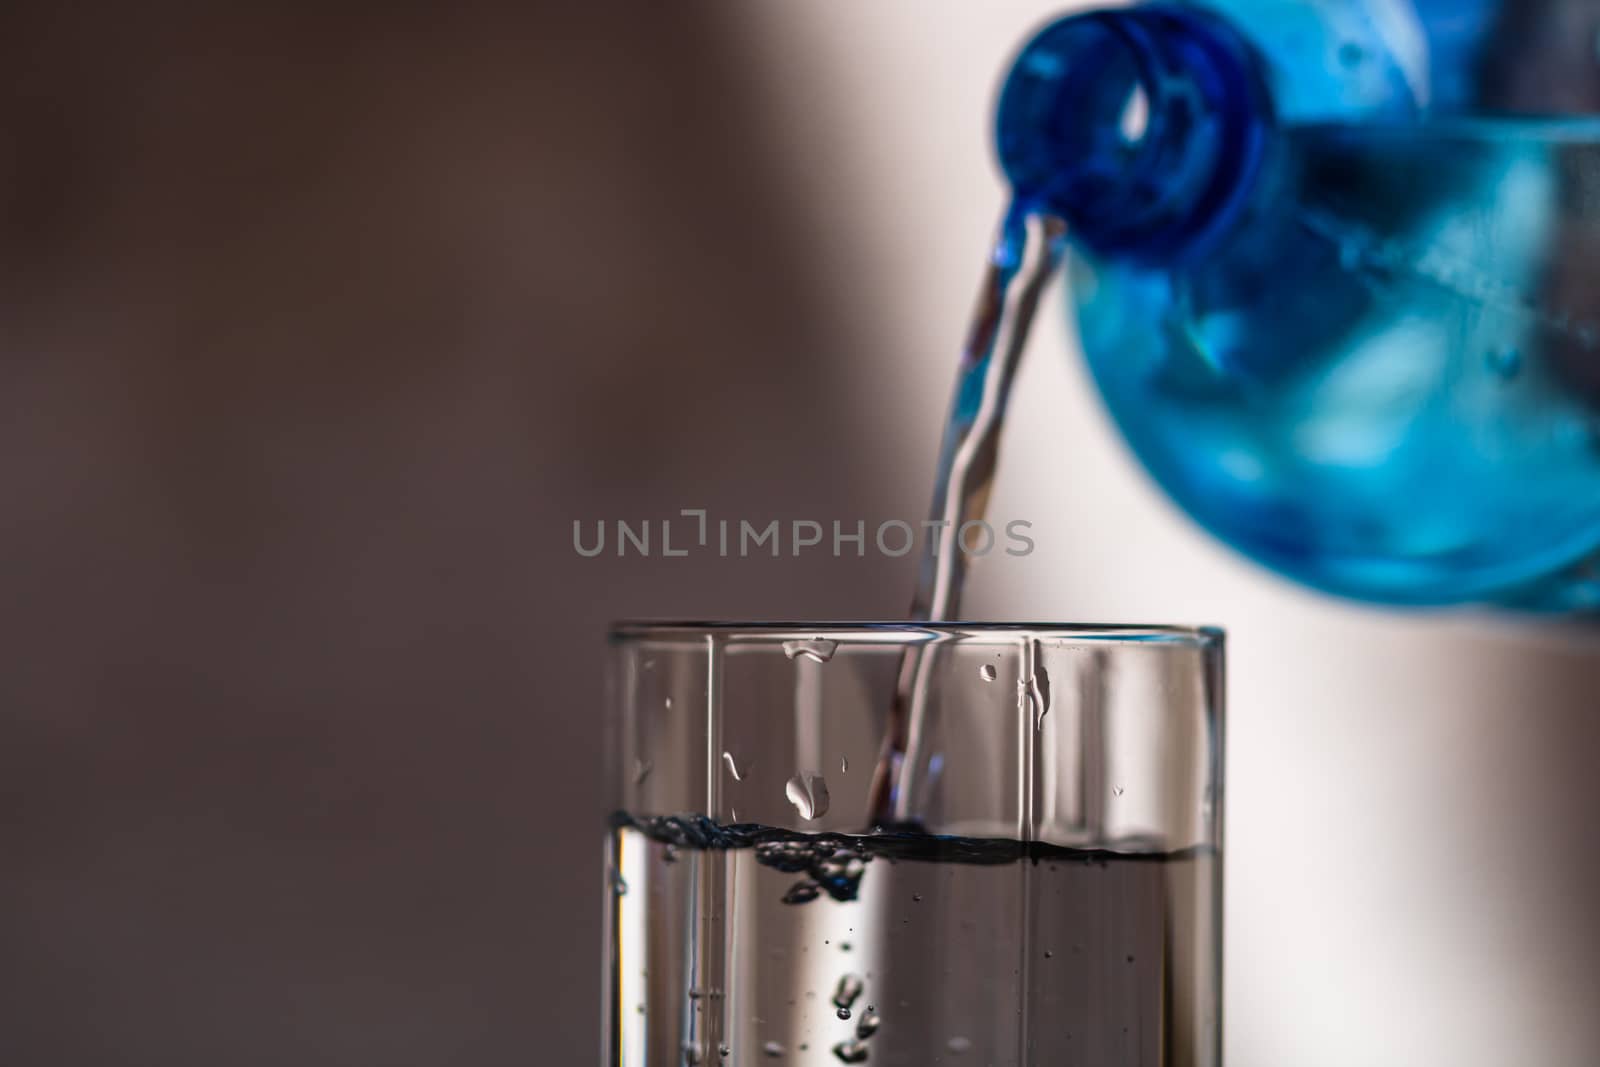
point(1048, 954)
point(844, 946)
point(848, 990)
point(958, 1045)
point(1118, 790)
point(802, 892)
point(1505, 362)
point(987, 672)
point(641, 770)
point(868, 1024)
point(844, 764)
point(843, 1013)
point(619, 885)
point(772, 1050)
point(916, 898)
point(723, 1050)
point(733, 768)
point(808, 792)
point(851, 1051)
point(818, 649)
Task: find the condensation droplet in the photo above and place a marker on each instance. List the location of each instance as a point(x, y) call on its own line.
point(817, 648)
point(808, 792)
point(845, 994)
point(868, 1024)
point(733, 768)
point(958, 1045)
point(619, 884)
point(844, 764)
point(843, 1013)
point(772, 1050)
point(723, 1050)
point(987, 672)
point(1118, 790)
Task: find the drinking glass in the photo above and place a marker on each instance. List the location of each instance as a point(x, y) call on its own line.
point(1019, 865)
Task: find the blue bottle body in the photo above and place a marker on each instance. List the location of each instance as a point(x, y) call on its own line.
point(1377, 368)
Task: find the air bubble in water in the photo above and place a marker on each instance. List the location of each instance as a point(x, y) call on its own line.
point(772, 1050)
point(851, 1051)
point(849, 988)
point(958, 1044)
point(868, 1024)
point(843, 1013)
point(723, 1050)
point(1505, 362)
point(987, 672)
point(802, 892)
point(808, 792)
point(818, 649)
point(733, 768)
point(641, 770)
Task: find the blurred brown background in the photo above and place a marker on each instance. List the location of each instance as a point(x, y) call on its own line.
point(317, 331)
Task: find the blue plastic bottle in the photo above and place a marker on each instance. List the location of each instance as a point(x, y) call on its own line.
point(1336, 269)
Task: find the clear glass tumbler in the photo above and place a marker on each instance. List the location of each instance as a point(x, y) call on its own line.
point(1022, 866)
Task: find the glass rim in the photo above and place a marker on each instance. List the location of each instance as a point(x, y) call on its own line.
point(914, 632)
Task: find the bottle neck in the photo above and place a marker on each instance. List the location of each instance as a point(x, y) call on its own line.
point(1144, 128)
